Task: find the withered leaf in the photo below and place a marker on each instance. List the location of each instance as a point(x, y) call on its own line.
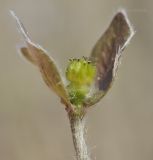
point(38, 56)
point(107, 51)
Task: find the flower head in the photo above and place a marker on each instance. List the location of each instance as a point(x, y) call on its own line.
point(82, 73)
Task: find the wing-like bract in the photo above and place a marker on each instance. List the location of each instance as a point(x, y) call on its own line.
point(107, 51)
point(39, 57)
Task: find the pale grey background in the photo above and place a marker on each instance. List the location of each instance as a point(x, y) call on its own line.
point(33, 124)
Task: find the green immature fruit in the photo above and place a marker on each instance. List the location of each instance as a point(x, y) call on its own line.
point(81, 74)
point(81, 71)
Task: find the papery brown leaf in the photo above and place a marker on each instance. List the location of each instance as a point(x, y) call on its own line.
point(38, 56)
point(108, 49)
point(106, 54)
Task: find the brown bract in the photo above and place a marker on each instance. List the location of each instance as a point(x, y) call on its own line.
point(107, 52)
point(39, 57)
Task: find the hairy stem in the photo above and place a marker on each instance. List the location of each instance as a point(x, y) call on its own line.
point(78, 128)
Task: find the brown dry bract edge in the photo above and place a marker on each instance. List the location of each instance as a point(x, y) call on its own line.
point(107, 52)
point(38, 56)
point(108, 47)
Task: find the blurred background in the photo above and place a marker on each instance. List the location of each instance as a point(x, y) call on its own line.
point(33, 123)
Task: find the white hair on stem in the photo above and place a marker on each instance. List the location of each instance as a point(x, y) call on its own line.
point(78, 134)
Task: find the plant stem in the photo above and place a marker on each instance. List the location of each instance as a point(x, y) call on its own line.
point(78, 128)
